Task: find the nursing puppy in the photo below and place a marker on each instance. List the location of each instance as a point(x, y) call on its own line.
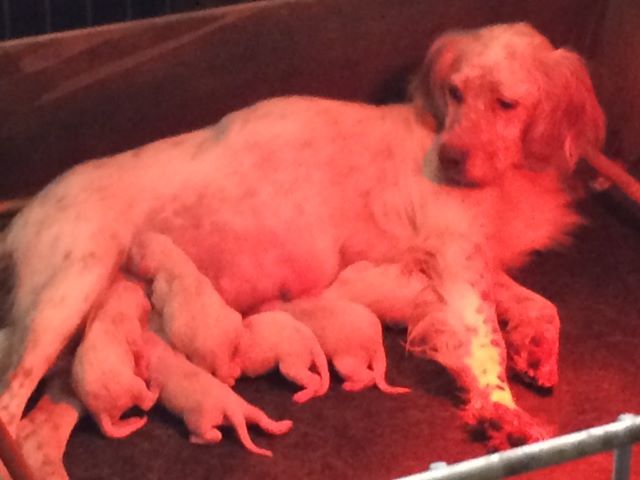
point(276, 199)
point(109, 368)
point(203, 401)
point(191, 314)
point(276, 339)
point(349, 334)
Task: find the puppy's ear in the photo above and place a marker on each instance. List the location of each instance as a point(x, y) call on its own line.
point(567, 124)
point(428, 87)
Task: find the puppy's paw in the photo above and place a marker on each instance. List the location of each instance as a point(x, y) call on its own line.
point(304, 395)
point(280, 427)
point(354, 386)
point(212, 435)
point(229, 374)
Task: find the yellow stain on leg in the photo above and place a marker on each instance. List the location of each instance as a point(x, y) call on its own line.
point(484, 358)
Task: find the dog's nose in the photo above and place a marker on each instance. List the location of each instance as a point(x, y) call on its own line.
point(453, 159)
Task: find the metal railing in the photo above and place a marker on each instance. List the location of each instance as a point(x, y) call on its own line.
point(618, 436)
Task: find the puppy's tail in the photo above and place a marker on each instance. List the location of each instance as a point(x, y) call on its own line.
point(320, 361)
point(237, 420)
point(379, 365)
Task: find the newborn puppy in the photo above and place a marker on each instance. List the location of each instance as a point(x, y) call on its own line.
point(109, 367)
point(275, 338)
point(193, 316)
point(350, 335)
point(203, 401)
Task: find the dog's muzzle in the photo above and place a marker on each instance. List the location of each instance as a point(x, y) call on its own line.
point(453, 166)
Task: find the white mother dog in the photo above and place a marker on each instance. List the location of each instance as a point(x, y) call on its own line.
point(275, 200)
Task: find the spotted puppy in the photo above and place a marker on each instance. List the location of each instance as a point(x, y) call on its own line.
point(349, 334)
point(193, 316)
point(109, 367)
point(203, 401)
point(275, 338)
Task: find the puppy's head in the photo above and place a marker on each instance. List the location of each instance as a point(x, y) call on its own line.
point(504, 98)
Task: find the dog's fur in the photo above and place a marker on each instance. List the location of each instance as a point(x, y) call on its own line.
point(193, 316)
point(44, 432)
point(350, 335)
point(276, 339)
point(110, 365)
point(203, 401)
point(276, 199)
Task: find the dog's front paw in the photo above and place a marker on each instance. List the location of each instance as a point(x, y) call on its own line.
point(503, 427)
point(532, 340)
point(537, 363)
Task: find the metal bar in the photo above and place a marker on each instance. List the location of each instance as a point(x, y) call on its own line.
point(89, 12)
point(47, 16)
point(622, 463)
point(622, 457)
point(129, 9)
point(541, 454)
point(6, 10)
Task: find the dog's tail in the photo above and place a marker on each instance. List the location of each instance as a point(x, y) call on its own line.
point(321, 363)
point(616, 173)
point(379, 366)
point(13, 205)
point(8, 278)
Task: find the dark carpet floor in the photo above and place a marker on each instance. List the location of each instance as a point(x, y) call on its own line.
point(369, 435)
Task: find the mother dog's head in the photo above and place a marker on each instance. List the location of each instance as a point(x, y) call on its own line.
point(504, 98)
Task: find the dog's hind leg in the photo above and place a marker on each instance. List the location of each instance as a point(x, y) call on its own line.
point(40, 331)
point(43, 434)
point(531, 329)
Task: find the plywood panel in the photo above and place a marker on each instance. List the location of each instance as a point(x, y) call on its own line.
point(617, 76)
point(73, 96)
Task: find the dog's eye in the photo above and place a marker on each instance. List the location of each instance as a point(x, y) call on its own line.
point(505, 104)
point(455, 93)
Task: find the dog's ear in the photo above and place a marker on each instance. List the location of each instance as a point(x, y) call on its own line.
point(567, 123)
point(428, 87)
